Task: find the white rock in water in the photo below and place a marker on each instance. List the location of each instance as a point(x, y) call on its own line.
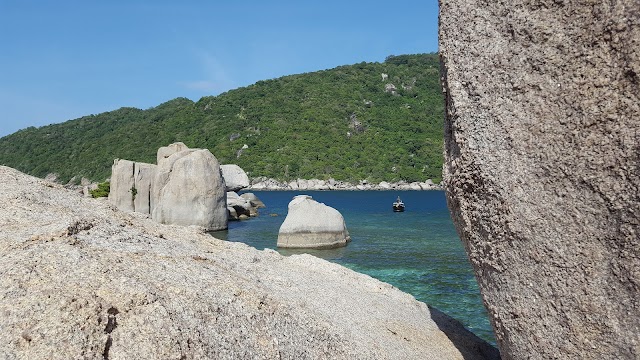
point(310, 224)
point(240, 205)
point(253, 199)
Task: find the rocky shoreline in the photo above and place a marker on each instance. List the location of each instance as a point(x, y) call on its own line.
point(82, 279)
point(267, 184)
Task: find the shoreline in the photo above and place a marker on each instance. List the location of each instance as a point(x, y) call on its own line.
point(267, 184)
point(176, 278)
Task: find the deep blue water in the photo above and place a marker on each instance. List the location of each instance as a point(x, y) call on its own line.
point(418, 251)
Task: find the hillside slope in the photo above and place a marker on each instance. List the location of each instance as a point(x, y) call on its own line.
point(374, 121)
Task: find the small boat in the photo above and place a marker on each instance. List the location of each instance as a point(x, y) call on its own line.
point(398, 205)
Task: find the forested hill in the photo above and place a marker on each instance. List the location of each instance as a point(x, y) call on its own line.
point(373, 121)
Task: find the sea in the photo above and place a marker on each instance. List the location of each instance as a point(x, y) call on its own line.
point(418, 250)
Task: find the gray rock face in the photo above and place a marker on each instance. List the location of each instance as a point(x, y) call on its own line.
point(188, 190)
point(80, 280)
point(166, 151)
point(122, 181)
point(144, 175)
point(541, 170)
point(131, 185)
point(234, 177)
point(310, 224)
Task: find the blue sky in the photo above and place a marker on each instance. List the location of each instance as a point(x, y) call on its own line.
point(60, 60)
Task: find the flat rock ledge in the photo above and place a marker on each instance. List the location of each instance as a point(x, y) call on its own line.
point(81, 279)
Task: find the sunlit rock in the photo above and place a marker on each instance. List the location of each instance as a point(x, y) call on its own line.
point(310, 224)
point(189, 190)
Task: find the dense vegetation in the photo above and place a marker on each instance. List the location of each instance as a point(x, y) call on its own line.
point(102, 190)
point(347, 123)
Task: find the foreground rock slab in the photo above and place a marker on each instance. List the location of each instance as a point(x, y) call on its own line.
point(80, 279)
point(542, 169)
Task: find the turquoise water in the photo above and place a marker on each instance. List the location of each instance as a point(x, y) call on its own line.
point(418, 251)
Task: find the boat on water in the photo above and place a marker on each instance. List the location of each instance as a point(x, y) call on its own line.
point(398, 205)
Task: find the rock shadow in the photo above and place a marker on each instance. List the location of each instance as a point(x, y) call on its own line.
point(470, 345)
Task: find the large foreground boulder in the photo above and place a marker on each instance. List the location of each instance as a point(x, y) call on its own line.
point(188, 190)
point(81, 280)
point(313, 225)
point(542, 169)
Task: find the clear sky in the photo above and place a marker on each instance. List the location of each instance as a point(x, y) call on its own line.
point(60, 60)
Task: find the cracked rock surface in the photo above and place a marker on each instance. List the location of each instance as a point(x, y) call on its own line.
point(81, 280)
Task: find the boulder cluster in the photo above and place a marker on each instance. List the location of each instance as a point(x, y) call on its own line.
point(186, 187)
point(241, 207)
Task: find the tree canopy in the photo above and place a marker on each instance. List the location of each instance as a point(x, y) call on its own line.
point(373, 121)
